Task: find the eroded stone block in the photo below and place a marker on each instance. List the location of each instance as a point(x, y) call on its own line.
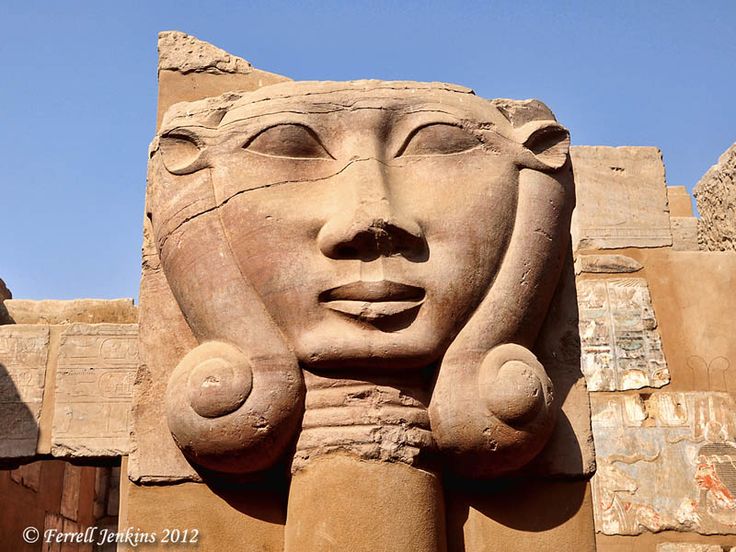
point(23, 358)
point(94, 380)
point(620, 345)
point(621, 198)
point(715, 194)
point(666, 461)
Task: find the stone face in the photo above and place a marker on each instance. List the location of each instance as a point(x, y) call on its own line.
point(90, 311)
point(23, 359)
point(621, 347)
point(94, 380)
point(602, 264)
point(256, 279)
point(621, 198)
point(666, 461)
point(715, 194)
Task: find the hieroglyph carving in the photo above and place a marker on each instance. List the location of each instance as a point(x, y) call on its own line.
point(666, 461)
point(379, 254)
point(23, 356)
point(621, 347)
point(94, 381)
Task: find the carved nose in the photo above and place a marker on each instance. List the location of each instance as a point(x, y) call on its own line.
point(372, 226)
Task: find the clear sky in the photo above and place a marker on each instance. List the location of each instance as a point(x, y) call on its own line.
point(78, 94)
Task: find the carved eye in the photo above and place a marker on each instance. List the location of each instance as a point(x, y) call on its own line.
point(438, 139)
point(180, 153)
point(288, 140)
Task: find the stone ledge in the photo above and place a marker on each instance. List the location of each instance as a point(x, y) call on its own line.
point(51, 311)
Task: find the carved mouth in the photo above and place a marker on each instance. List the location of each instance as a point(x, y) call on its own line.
point(373, 300)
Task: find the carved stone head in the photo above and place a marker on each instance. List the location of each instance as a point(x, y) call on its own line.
point(362, 228)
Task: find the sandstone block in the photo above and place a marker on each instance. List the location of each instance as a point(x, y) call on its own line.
point(94, 380)
point(23, 359)
point(621, 198)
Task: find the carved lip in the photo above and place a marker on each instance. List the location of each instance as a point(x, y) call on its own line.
point(373, 300)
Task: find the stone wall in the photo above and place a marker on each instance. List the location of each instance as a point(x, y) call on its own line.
point(656, 332)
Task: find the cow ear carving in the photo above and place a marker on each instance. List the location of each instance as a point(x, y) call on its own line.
point(548, 141)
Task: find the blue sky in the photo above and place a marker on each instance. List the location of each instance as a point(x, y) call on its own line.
point(78, 94)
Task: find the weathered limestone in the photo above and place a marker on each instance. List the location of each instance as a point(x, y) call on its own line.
point(621, 347)
point(665, 461)
point(23, 358)
point(621, 198)
point(716, 197)
point(94, 381)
